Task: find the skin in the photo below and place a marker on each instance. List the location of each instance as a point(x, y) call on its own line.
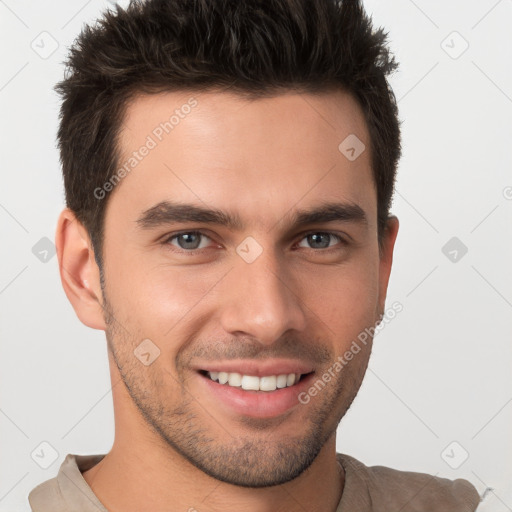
point(262, 160)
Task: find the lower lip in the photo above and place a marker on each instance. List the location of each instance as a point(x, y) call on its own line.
point(256, 404)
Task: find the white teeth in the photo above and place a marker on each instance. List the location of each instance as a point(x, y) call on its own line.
point(249, 382)
point(281, 381)
point(253, 383)
point(235, 380)
point(268, 383)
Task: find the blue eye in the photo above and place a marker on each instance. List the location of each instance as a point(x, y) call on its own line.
point(321, 240)
point(188, 240)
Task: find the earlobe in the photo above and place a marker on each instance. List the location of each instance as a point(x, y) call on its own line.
point(386, 259)
point(79, 272)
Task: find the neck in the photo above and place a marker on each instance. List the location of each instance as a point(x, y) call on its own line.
point(133, 478)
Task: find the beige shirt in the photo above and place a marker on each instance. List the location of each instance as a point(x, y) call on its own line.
point(366, 489)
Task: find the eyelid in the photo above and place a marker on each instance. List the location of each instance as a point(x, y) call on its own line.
point(342, 234)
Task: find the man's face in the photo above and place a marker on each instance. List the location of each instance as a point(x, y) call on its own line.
point(264, 296)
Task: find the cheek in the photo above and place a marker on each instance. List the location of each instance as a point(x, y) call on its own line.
point(344, 299)
point(164, 302)
point(158, 301)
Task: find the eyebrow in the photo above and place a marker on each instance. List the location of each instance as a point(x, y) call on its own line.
point(168, 212)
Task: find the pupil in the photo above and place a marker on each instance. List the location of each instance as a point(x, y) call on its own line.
point(315, 241)
point(190, 240)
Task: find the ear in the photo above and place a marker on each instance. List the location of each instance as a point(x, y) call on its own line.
point(79, 273)
point(386, 259)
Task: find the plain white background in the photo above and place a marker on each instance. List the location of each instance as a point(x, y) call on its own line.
point(438, 388)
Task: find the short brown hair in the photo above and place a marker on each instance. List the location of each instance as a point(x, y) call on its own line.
point(256, 48)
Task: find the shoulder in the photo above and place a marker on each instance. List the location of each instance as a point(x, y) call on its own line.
point(68, 490)
point(47, 496)
point(389, 488)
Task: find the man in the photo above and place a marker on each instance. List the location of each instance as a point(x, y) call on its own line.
point(229, 168)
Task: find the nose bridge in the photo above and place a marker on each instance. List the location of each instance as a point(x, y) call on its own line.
point(260, 299)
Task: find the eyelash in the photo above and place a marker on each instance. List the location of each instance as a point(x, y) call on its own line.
point(167, 240)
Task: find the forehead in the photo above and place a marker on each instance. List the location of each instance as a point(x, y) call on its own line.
point(259, 156)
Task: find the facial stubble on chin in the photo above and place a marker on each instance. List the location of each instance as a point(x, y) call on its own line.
point(253, 458)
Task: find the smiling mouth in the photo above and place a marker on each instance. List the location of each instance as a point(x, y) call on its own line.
point(266, 383)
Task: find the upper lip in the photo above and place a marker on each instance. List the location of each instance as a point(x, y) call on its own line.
point(258, 368)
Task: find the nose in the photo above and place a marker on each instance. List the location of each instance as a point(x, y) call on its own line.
point(261, 301)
